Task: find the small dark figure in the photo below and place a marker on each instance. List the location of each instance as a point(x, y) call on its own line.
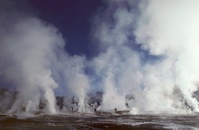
point(127, 105)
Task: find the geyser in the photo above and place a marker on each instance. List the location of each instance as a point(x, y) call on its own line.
point(147, 63)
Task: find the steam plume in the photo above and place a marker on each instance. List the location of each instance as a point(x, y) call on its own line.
point(148, 52)
point(33, 59)
point(148, 59)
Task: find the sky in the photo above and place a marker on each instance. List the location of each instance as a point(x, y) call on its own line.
point(74, 20)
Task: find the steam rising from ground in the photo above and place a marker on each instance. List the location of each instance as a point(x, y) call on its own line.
point(148, 59)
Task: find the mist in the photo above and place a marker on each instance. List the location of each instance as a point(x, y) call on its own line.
point(147, 59)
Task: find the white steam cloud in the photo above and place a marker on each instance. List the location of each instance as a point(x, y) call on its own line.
point(150, 52)
point(26, 56)
point(170, 29)
point(148, 61)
